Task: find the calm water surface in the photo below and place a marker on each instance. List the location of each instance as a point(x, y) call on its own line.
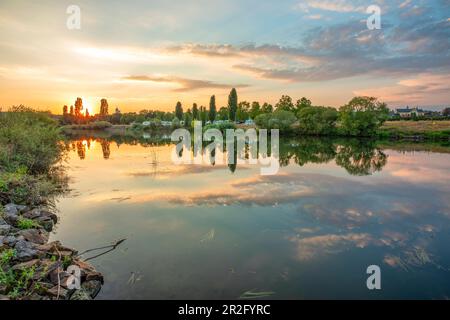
point(213, 232)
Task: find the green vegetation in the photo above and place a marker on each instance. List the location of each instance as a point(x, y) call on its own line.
point(97, 125)
point(29, 141)
point(317, 120)
point(212, 109)
point(232, 104)
point(280, 119)
point(432, 130)
point(30, 149)
point(6, 256)
point(18, 283)
point(221, 126)
point(25, 224)
point(362, 116)
point(179, 111)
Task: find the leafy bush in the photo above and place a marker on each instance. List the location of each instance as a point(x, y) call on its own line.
point(317, 120)
point(362, 116)
point(19, 187)
point(29, 141)
point(280, 119)
point(97, 125)
point(25, 224)
point(100, 125)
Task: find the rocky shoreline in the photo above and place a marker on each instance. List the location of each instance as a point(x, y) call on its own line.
point(33, 268)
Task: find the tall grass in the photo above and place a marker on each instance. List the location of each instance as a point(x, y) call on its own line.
point(30, 149)
point(29, 141)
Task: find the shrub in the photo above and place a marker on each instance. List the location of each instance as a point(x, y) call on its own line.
point(362, 116)
point(29, 141)
point(100, 125)
point(280, 119)
point(25, 224)
point(317, 120)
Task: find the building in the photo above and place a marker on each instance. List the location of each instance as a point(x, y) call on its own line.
point(410, 112)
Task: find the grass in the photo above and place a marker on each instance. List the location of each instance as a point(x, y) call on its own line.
point(98, 125)
point(30, 153)
point(428, 129)
point(6, 256)
point(25, 224)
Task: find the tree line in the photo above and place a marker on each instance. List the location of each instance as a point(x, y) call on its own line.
point(361, 116)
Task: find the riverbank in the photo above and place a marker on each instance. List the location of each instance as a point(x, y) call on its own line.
point(31, 176)
point(31, 268)
point(396, 130)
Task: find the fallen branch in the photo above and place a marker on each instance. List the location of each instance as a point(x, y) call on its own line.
point(110, 248)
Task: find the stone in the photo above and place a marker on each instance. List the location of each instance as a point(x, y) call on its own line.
point(53, 275)
point(4, 229)
point(92, 287)
point(80, 294)
point(22, 208)
point(26, 265)
point(41, 214)
point(45, 222)
point(25, 251)
point(2, 221)
point(10, 208)
point(48, 266)
point(50, 215)
point(35, 235)
point(63, 293)
point(10, 214)
point(49, 247)
point(4, 298)
point(33, 297)
point(43, 287)
point(94, 276)
point(10, 241)
point(33, 214)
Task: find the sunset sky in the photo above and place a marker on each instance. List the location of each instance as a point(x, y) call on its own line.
point(151, 54)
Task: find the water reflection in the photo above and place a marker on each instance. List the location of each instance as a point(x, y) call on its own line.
point(335, 207)
point(358, 157)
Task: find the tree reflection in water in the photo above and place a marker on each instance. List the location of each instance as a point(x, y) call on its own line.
point(357, 156)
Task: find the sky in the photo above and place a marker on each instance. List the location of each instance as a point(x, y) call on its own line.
point(150, 54)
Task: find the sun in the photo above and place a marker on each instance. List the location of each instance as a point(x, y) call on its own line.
point(88, 105)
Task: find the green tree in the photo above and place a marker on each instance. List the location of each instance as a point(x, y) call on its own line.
point(232, 105)
point(179, 111)
point(285, 104)
point(279, 119)
point(103, 108)
point(255, 110)
point(317, 120)
point(302, 103)
point(243, 110)
point(78, 107)
point(203, 115)
point(195, 112)
point(223, 113)
point(446, 112)
point(116, 117)
point(362, 116)
point(187, 119)
point(266, 108)
point(212, 109)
